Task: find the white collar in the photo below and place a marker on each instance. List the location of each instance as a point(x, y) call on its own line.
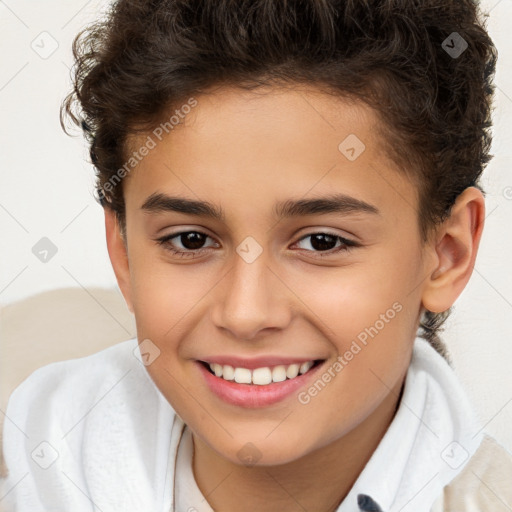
point(431, 437)
point(186, 493)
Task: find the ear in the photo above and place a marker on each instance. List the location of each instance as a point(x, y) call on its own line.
point(454, 250)
point(118, 254)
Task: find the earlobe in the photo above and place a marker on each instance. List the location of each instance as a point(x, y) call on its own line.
point(118, 254)
point(455, 250)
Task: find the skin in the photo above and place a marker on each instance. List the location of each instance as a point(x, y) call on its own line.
point(245, 151)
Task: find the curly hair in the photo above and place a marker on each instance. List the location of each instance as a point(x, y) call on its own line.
point(148, 56)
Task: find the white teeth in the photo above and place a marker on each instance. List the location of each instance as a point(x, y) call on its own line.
point(217, 368)
point(228, 372)
point(260, 376)
point(243, 376)
point(304, 367)
point(279, 374)
point(292, 371)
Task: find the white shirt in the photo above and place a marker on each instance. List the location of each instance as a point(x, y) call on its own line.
point(97, 432)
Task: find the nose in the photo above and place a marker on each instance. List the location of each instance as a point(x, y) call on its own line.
point(252, 298)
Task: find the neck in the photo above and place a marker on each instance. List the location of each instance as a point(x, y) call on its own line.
point(319, 480)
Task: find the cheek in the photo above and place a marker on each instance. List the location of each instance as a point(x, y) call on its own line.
point(344, 301)
point(369, 315)
point(164, 295)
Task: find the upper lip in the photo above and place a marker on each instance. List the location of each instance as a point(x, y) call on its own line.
point(257, 362)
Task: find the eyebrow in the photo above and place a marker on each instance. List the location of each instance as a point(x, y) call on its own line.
point(337, 203)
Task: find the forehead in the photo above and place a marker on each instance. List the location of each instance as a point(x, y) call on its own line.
point(293, 114)
point(247, 147)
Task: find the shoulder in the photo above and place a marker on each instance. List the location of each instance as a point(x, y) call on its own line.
point(484, 483)
point(65, 381)
point(98, 423)
point(66, 391)
point(56, 391)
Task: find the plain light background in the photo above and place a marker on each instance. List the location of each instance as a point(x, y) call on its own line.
point(46, 187)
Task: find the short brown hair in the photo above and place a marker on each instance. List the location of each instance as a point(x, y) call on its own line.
point(425, 66)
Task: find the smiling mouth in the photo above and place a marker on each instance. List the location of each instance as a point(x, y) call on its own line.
point(261, 376)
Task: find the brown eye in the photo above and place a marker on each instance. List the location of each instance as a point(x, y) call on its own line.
point(322, 242)
point(192, 239)
point(192, 243)
point(327, 243)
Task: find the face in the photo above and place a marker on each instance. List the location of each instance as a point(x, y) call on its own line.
point(315, 256)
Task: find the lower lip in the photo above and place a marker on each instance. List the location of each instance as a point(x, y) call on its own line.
point(252, 395)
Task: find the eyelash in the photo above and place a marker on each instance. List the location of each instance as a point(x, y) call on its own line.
point(347, 245)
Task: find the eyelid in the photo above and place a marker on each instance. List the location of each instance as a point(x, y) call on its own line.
point(318, 231)
point(312, 231)
point(165, 238)
point(346, 244)
point(184, 228)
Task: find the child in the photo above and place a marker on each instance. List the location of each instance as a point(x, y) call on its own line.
point(291, 207)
